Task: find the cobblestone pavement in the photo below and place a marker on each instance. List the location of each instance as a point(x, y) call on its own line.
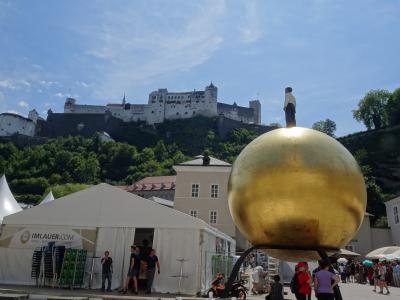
point(351, 291)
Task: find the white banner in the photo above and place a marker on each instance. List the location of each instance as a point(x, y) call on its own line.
point(38, 237)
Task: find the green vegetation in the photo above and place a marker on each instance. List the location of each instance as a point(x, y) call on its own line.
point(65, 165)
point(326, 126)
point(379, 108)
point(33, 171)
point(61, 190)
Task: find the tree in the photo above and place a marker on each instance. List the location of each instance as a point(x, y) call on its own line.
point(61, 190)
point(326, 126)
point(372, 109)
point(393, 108)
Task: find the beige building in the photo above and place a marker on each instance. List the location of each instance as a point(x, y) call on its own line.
point(202, 192)
point(368, 238)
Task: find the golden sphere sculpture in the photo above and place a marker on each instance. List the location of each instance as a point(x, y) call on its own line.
point(297, 188)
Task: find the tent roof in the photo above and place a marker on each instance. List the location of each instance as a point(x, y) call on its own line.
point(346, 253)
point(48, 198)
point(103, 205)
point(8, 204)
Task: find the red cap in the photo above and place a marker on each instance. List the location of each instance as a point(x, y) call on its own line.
point(301, 264)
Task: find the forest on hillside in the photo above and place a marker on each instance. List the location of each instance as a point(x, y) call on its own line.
point(67, 164)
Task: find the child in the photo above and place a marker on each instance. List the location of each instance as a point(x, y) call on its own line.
point(276, 291)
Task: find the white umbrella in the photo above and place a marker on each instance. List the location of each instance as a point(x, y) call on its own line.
point(342, 260)
point(385, 252)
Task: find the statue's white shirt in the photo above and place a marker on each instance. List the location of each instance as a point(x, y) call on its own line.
point(289, 98)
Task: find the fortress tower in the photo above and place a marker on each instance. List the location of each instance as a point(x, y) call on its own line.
point(256, 106)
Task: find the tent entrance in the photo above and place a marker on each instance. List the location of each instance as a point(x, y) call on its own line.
point(144, 238)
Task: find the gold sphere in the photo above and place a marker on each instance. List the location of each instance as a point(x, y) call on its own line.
point(297, 188)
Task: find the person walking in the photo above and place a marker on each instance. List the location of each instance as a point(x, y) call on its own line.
point(133, 271)
point(382, 279)
point(276, 290)
point(304, 282)
point(106, 271)
point(342, 271)
point(152, 262)
point(396, 274)
point(325, 281)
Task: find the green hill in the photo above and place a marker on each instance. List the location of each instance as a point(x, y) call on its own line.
point(33, 170)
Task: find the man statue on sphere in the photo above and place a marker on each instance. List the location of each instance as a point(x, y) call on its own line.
point(290, 108)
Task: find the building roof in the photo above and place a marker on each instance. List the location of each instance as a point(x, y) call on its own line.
point(16, 116)
point(198, 161)
point(392, 201)
point(162, 201)
point(154, 183)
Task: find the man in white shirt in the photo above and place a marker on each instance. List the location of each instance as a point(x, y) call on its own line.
point(290, 108)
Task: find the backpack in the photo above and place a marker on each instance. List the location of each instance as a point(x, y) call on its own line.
point(294, 284)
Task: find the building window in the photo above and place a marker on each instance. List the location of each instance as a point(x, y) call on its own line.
point(214, 190)
point(195, 190)
point(396, 214)
point(213, 217)
point(194, 213)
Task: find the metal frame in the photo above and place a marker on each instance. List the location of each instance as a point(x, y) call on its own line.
point(228, 286)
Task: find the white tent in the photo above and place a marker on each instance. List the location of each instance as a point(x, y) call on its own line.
point(8, 204)
point(102, 218)
point(48, 198)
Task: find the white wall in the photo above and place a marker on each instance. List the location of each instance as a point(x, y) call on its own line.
point(12, 124)
point(394, 228)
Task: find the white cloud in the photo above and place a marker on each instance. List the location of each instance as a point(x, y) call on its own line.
point(82, 84)
point(250, 30)
point(23, 104)
point(49, 83)
point(12, 84)
point(7, 84)
point(132, 50)
point(60, 95)
point(11, 111)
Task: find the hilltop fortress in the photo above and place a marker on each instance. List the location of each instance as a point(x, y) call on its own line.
point(83, 119)
point(164, 105)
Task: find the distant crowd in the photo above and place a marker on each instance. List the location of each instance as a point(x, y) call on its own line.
point(379, 274)
point(326, 278)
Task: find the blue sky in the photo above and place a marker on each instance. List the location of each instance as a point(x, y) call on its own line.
point(330, 52)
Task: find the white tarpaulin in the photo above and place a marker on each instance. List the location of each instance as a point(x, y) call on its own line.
point(118, 241)
point(106, 218)
point(8, 204)
point(48, 198)
point(173, 247)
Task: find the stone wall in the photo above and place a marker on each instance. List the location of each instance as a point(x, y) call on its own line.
point(14, 124)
